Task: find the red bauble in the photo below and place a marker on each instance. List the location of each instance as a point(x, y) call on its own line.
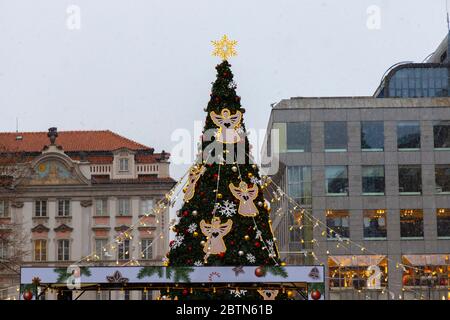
point(221, 255)
point(257, 244)
point(260, 272)
point(185, 213)
point(189, 248)
point(217, 99)
point(315, 295)
point(28, 295)
point(232, 242)
point(185, 292)
point(215, 176)
point(171, 243)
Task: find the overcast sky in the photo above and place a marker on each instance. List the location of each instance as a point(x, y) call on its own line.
point(144, 68)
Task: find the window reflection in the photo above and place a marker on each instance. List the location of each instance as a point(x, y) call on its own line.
point(298, 136)
point(335, 135)
point(375, 224)
point(408, 135)
point(338, 224)
point(443, 222)
point(442, 174)
point(410, 179)
point(336, 180)
point(373, 180)
point(372, 135)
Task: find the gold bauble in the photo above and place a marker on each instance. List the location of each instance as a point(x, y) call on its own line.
point(247, 237)
point(283, 264)
point(195, 234)
point(290, 293)
point(219, 196)
point(234, 169)
point(250, 174)
point(184, 189)
point(203, 243)
point(254, 166)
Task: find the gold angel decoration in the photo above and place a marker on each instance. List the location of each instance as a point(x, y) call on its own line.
point(228, 125)
point(268, 294)
point(214, 232)
point(246, 196)
point(194, 174)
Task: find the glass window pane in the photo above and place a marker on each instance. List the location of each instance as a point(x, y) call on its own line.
point(299, 183)
point(411, 223)
point(441, 132)
point(373, 179)
point(298, 136)
point(442, 174)
point(408, 135)
point(410, 179)
point(372, 135)
point(336, 180)
point(375, 223)
point(338, 224)
point(335, 135)
point(443, 222)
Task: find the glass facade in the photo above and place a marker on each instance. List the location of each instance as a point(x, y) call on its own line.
point(408, 135)
point(372, 135)
point(417, 82)
point(298, 136)
point(299, 183)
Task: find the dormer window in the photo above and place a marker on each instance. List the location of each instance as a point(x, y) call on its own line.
point(123, 165)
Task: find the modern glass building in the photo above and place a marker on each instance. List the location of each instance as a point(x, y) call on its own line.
point(416, 80)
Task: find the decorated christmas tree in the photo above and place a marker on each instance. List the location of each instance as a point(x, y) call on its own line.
point(224, 220)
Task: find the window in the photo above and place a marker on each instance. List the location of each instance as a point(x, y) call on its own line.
point(40, 208)
point(442, 174)
point(146, 295)
point(443, 222)
point(40, 250)
point(123, 250)
point(410, 179)
point(101, 207)
point(124, 207)
point(441, 132)
point(4, 254)
point(299, 184)
point(102, 295)
point(146, 249)
point(408, 135)
point(372, 136)
point(63, 208)
point(298, 136)
point(100, 245)
point(335, 136)
point(375, 224)
point(146, 206)
point(411, 223)
point(123, 164)
point(373, 180)
point(336, 180)
point(127, 295)
point(63, 250)
point(4, 209)
point(338, 224)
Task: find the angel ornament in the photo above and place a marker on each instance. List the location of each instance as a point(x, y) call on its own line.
point(214, 232)
point(228, 125)
point(194, 175)
point(246, 196)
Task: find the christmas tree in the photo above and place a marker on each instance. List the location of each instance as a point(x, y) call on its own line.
point(224, 220)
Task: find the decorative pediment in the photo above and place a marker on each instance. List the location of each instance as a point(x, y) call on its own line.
point(55, 169)
point(17, 204)
point(40, 228)
point(122, 228)
point(63, 228)
point(86, 203)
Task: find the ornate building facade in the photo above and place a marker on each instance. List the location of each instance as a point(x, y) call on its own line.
point(69, 194)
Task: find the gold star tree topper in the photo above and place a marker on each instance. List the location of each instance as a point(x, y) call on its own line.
point(224, 48)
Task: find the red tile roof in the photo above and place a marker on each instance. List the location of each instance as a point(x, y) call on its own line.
point(69, 140)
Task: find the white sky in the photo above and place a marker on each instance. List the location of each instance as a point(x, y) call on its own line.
point(144, 68)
